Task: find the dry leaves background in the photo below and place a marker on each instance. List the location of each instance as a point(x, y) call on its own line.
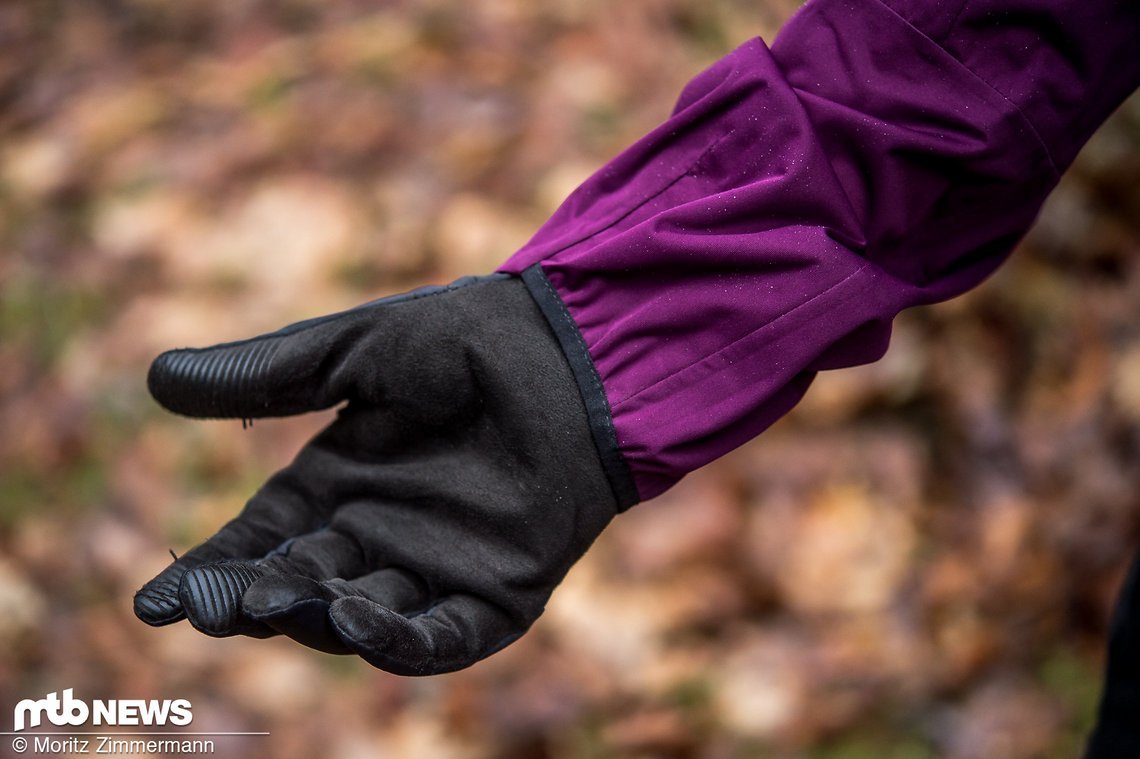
point(918, 562)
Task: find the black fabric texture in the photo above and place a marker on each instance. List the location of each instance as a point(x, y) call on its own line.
point(589, 384)
point(1117, 731)
point(427, 525)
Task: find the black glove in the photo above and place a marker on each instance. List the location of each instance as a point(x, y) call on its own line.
point(425, 528)
point(1117, 733)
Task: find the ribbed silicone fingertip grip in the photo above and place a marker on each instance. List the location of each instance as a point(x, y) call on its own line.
point(157, 603)
point(220, 382)
point(211, 595)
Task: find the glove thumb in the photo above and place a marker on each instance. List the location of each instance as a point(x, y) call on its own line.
point(301, 367)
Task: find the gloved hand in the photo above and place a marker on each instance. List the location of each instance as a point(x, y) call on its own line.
point(424, 528)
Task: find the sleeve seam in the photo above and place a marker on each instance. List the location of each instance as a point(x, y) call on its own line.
point(1016, 108)
point(622, 214)
point(767, 325)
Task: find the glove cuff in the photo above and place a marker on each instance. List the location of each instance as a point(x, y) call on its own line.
point(598, 411)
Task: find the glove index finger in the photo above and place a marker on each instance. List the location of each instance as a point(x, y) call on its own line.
point(276, 514)
point(157, 602)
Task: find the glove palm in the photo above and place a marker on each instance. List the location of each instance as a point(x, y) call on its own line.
point(426, 526)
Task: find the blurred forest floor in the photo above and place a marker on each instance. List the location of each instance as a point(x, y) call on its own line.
point(917, 562)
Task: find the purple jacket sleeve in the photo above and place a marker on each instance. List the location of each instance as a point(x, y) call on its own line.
point(883, 154)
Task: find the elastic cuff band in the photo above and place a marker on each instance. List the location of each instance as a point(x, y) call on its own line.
point(589, 384)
